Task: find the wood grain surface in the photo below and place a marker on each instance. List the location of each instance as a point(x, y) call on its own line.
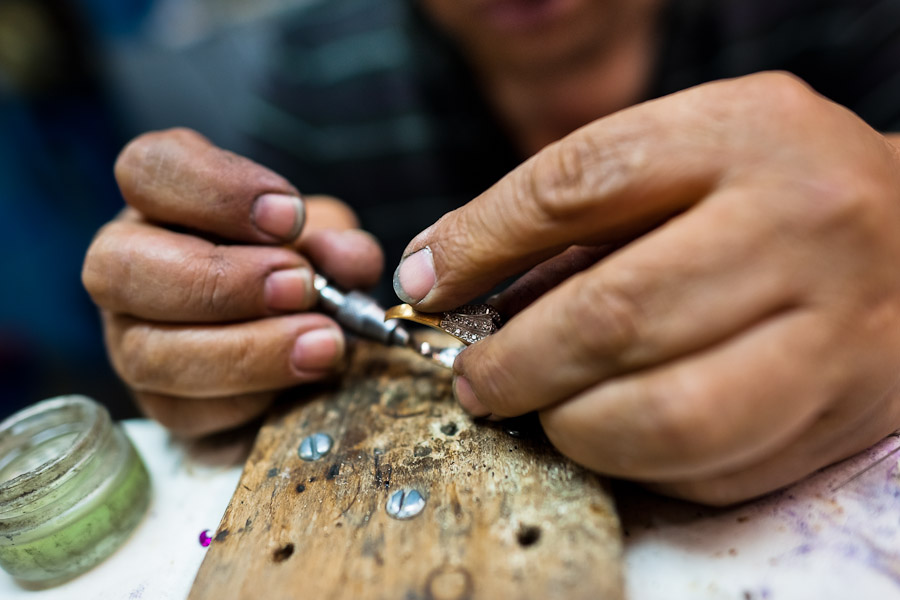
point(505, 515)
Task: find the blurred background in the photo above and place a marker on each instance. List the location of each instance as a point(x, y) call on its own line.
point(78, 79)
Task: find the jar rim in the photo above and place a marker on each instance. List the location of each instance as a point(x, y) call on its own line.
point(92, 420)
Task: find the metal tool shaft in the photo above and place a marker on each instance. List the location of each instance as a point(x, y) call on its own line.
point(359, 313)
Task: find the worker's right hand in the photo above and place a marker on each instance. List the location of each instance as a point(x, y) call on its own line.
point(204, 281)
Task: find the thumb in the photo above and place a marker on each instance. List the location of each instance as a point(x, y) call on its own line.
point(612, 180)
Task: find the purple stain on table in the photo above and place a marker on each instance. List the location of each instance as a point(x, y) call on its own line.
point(853, 515)
point(804, 549)
point(205, 538)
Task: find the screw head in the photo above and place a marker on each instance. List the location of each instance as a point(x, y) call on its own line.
point(315, 446)
point(405, 504)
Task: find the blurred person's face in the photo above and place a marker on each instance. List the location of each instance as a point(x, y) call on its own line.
point(529, 34)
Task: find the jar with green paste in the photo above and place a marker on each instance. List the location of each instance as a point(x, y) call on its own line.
point(72, 489)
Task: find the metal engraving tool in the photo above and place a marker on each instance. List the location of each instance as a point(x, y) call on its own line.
point(360, 314)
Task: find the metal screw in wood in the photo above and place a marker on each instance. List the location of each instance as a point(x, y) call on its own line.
point(405, 504)
point(315, 446)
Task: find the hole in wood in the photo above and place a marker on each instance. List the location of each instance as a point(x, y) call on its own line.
point(528, 535)
point(283, 553)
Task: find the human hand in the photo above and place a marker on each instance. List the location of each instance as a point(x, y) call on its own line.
point(204, 278)
point(747, 330)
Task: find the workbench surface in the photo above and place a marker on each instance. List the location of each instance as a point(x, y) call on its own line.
point(834, 535)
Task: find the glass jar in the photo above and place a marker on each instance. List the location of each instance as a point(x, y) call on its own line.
point(72, 488)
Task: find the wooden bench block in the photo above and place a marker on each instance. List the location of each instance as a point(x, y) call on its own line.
point(505, 516)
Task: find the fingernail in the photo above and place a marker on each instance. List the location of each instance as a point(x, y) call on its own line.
point(464, 394)
point(279, 215)
point(317, 350)
point(288, 289)
point(415, 276)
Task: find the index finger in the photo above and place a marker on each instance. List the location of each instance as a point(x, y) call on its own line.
point(178, 177)
point(609, 181)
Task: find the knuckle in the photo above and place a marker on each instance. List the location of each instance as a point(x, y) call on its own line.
point(198, 361)
point(784, 106)
point(150, 156)
point(151, 358)
point(577, 175)
point(459, 251)
point(134, 153)
point(147, 142)
point(242, 355)
point(780, 82)
point(184, 135)
point(847, 188)
point(674, 416)
point(94, 276)
point(603, 318)
point(841, 201)
point(138, 360)
point(558, 182)
point(210, 289)
point(131, 154)
point(781, 92)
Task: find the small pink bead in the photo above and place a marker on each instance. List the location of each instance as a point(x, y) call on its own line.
point(205, 538)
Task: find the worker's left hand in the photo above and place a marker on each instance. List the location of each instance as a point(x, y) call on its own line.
point(746, 330)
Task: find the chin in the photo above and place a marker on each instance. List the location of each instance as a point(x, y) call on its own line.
point(532, 31)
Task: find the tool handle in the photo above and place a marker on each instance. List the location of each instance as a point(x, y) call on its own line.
point(359, 313)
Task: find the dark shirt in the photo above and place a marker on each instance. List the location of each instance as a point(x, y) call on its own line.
point(367, 102)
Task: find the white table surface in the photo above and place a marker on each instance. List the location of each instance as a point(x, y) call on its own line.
point(830, 536)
